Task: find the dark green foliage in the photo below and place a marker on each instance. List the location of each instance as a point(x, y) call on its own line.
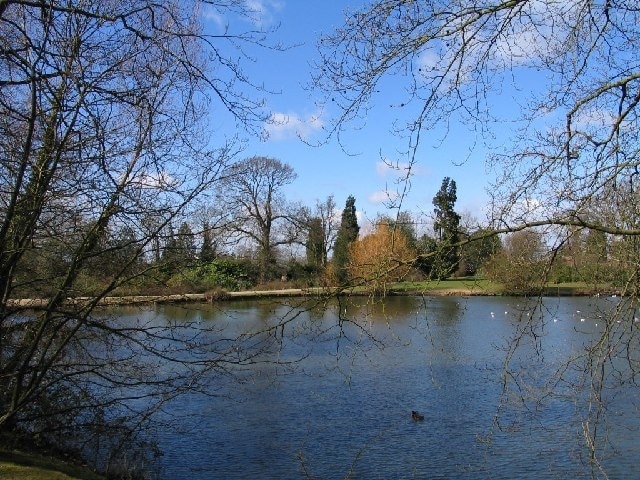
point(303, 274)
point(207, 250)
point(404, 224)
point(186, 244)
point(426, 246)
point(230, 273)
point(447, 229)
point(227, 273)
point(315, 246)
point(522, 265)
point(347, 234)
point(596, 264)
point(123, 257)
point(562, 272)
point(482, 245)
point(180, 250)
point(596, 245)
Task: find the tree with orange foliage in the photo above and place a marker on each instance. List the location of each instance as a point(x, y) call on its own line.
point(380, 258)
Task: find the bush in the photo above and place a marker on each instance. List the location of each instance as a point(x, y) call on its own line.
point(520, 278)
point(564, 273)
point(303, 274)
point(222, 273)
point(380, 258)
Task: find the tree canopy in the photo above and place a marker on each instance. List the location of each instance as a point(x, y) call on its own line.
point(574, 143)
point(382, 257)
point(447, 228)
point(347, 234)
point(569, 157)
point(101, 131)
point(256, 209)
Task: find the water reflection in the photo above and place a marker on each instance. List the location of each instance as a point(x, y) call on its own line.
point(344, 409)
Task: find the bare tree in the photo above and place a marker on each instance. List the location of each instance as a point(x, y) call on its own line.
point(101, 121)
point(572, 161)
point(459, 55)
point(256, 209)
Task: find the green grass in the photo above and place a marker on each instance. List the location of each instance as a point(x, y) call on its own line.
point(480, 286)
point(11, 471)
point(23, 466)
point(472, 285)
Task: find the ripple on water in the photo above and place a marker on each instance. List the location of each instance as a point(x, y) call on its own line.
point(329, 421)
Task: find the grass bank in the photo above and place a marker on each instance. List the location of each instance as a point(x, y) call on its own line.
point(454, 286)
point(478, 286)
point(449, 287)
point(16, 465)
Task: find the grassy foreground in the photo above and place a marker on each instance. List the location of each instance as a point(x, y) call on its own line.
point(23, 466)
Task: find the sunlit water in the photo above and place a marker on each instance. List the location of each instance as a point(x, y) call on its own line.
point(344, 409)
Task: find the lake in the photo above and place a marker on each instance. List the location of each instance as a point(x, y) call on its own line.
point(334, 400)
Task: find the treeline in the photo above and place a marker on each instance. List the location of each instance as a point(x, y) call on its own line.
point(250, 236)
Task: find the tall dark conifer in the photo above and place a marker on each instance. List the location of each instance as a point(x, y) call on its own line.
point(347, 234)
point(315, 246)
point(207, 250)
point(447, 229)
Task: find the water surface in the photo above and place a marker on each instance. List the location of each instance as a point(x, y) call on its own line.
point(344, 409)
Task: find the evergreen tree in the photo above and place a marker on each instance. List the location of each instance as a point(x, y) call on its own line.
point(123, 251)
point(315, 246)
point(186, 245)
point(482, 246)
point(402, 224)
point(179, 250)
point(425, 246)
point(447, 229)
point(169, 252)
point(207, 250)
point(596, 245)
point(347, 234)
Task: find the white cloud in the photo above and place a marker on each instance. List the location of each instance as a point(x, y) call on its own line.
point(521, 47)
point(526, 210)
point(596, 119)
point(531, 205)
point(438, 63)
point(282, 126)
point(155, 180)
point(527, 39)
point(261, 12)
point(531, 37)
point(211, 14)
point(384, 168)
point(382, 196)
point(427, 61)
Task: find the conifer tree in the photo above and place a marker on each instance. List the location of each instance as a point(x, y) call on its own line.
point(447, 229)
point(347, 234)
point(207, 250)
point(315, 246)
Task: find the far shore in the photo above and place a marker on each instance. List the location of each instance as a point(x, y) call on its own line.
point(468, 289)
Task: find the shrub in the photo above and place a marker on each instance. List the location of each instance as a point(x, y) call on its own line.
point(224, 273)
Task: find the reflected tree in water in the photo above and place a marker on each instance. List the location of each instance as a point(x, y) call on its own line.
point(569, 164)
point(102, 109)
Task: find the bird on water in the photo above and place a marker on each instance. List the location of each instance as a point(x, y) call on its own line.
point(416, 416)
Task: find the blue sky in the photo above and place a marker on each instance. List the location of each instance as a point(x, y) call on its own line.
point(358, 171)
